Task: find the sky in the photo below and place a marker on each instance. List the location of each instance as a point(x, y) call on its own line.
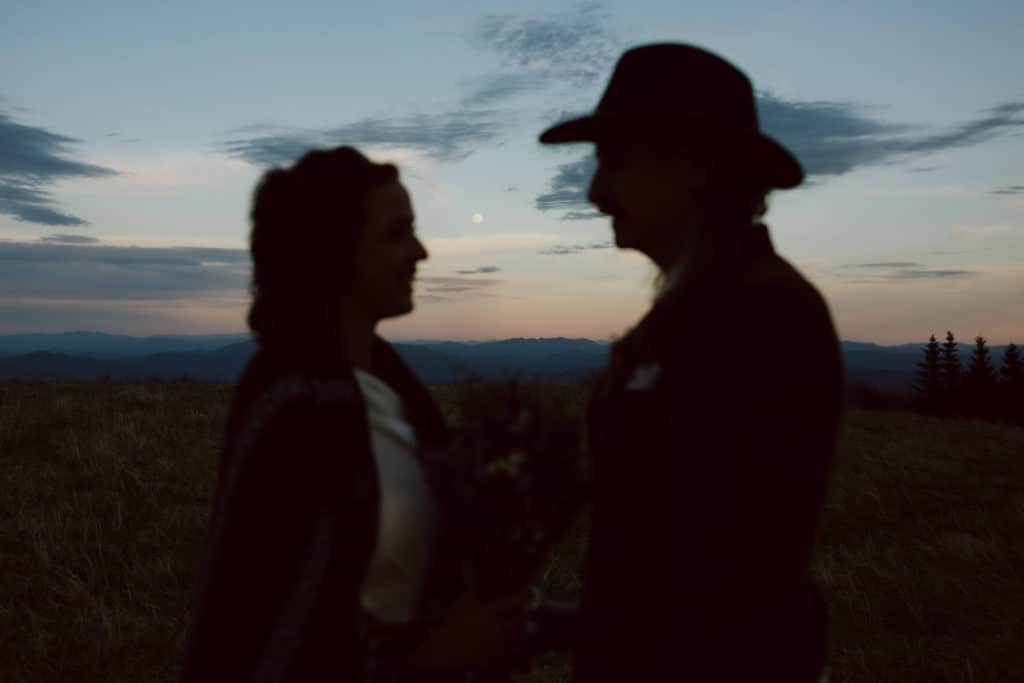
point(132, 135)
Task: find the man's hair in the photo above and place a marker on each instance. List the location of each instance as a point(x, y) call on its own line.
point(734, 192)
point(738, 200)
point(306, 223)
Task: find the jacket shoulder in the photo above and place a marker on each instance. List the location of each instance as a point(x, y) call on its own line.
point(282, 427)
point(279, 396)
point(773, 290)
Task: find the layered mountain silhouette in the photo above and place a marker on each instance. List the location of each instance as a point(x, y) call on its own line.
point(112, 345)
point(221, 358)
point(92, 355)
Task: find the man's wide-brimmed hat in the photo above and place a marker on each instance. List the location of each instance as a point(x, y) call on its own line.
point(678, 91)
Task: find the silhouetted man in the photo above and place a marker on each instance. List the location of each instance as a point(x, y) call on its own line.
point(714, 426)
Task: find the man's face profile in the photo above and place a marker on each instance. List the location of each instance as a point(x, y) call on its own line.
point(649, 190)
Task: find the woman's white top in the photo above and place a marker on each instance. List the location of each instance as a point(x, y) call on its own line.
point(408, 515)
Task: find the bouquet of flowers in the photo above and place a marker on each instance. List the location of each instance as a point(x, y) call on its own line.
point(519, 451)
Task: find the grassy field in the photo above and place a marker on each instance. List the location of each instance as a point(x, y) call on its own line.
point(106, 488)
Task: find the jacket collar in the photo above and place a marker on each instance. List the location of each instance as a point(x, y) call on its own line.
point(694, 287)
point(315, 355)
point(421, 410)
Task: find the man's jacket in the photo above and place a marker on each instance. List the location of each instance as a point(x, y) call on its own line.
point(713, 431)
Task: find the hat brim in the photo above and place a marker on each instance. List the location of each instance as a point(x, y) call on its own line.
point(771, 162)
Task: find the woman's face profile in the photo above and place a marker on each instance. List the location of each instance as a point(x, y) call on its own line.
point(387, 254)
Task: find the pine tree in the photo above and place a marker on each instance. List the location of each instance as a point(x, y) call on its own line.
point(1013, 369)
point(928, 385)
point(1012, 385)
point(980, 381)
point(951, 375)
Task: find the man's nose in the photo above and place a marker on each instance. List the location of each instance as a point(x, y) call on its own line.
point(421, 251)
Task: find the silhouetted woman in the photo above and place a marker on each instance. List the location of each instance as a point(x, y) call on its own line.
point(331, 555)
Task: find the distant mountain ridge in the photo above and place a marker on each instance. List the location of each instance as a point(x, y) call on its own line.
point(103, 344)
point(93, 355)
point(221, 358)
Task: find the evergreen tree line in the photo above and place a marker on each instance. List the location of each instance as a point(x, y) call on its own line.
point(944, 386)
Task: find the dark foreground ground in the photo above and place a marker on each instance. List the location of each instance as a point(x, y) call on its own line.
point(106, 487)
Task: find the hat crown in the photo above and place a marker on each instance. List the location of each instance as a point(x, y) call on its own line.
point(673, 90)
point(675, 79)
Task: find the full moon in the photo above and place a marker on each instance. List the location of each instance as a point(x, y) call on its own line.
point(477, 218)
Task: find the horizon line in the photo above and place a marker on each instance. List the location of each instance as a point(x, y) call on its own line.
point(425, 340)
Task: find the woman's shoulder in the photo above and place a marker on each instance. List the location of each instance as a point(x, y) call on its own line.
point(277, 375)
point(272, 388)
point(288, 425)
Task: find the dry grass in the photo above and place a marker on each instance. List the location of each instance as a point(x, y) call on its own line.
point(107, 485)
point(922, 551)
point(106, 488)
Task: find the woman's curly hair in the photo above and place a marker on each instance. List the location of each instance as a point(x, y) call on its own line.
point(306, 222)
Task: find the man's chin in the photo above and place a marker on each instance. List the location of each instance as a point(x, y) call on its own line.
point(399, 308)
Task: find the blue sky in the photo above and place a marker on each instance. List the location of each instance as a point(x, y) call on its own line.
point(131, 135)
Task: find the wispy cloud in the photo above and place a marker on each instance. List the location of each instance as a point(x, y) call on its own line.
point(897, 271)
point(450, 136)
point(567, 190)
point(582, 215)
point(829, 138)
point(487, 90)
point(61, 238)
point(896, 312)
point(576, 47)
point(34, 153)
point(482, 270)
point(566, 249)
point(31, 203)
point(432, 299)
point(887, 264)
point(33, 159)
point(437, 289)
point(70, 270)
point(928, 274)
point(120, 137)
point(436, 282)
point(834, 138)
